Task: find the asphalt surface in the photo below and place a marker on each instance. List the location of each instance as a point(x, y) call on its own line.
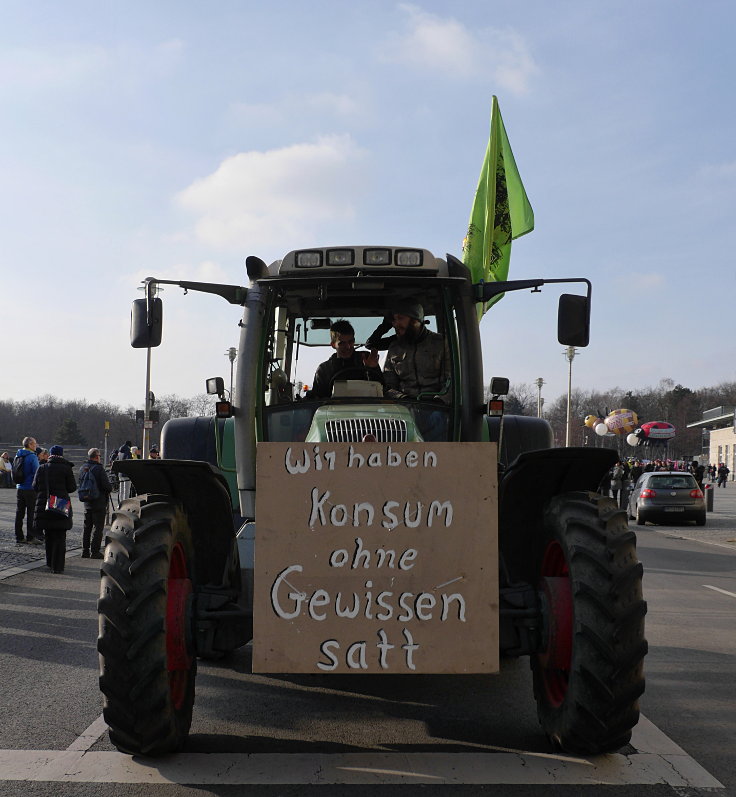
point(252, 731)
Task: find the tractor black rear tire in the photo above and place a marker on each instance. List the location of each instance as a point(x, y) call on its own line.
point(147, 662)
point(588, 680)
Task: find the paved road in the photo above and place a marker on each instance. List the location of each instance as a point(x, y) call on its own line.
point(299, 735)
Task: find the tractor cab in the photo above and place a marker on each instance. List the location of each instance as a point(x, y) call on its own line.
point(308, 291)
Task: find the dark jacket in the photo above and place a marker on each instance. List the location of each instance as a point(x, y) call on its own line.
point(417, 366)
point(322, 385)
point(103, 484)
point(30, 466)
point(61, 482)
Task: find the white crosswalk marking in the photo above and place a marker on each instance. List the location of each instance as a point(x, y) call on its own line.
point(718, 589)
point(658, 761)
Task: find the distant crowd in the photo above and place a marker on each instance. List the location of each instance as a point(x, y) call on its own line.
point(625, 474)
point(44, 481)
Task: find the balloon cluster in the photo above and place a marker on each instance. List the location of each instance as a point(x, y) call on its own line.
point(623, 421)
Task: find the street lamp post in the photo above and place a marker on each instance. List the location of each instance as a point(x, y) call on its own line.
point(570, 353)
point(151, 290)
point(231, 353)
point(147, 410)
point(540, 382)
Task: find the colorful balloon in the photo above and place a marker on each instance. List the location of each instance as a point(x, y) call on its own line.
point(658, 430)
point(621, 421)
point(652, 434)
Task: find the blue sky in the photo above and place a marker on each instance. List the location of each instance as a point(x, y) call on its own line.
point(174, 139)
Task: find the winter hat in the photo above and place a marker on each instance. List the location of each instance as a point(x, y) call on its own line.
point(410, 308)
point(56, 451)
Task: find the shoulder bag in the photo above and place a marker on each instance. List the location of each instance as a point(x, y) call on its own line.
point(54, 503)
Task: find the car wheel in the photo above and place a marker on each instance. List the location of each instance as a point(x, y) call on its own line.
point(700, 520)
point(640, 518)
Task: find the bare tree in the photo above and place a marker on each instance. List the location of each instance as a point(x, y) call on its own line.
point(202, 404)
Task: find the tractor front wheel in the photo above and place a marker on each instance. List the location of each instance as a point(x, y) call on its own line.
point(147, 662)
point(589, 675)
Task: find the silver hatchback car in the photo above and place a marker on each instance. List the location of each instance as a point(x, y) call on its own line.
point(667, 496)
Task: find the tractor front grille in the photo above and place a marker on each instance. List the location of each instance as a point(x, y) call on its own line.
point(353, 430)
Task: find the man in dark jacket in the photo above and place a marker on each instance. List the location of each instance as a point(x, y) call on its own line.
point(723, 472)
point(417, 361)
point(417, 364)
point(26, 495)
point(345, 358)
point(56, 478)
point(95, 508)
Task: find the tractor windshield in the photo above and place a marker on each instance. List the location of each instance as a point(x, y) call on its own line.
point(353, 400)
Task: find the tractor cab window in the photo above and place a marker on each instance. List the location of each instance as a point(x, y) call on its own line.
point(356, 397)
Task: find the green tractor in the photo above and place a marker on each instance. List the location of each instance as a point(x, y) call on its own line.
point(179, 578)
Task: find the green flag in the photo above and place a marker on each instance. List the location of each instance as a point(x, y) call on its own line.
point(500, 213)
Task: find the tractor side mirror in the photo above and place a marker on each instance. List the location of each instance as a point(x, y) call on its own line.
point(145, 332)
point(573, 320)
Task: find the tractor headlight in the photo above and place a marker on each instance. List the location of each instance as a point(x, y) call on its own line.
point(308, 259)
point(377, 257)
point(409, 257)
point(340, 257)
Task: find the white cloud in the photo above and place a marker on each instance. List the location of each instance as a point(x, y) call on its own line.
point(259, 199)
point(291, 106)
point(442, 44)
point(76, 66)
point(25, 68)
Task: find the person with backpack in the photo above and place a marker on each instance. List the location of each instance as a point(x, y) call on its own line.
point(54, 480)
point(94, 490)
point(25, 465)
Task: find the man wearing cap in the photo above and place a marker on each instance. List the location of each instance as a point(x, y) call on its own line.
point(417, 363)
point(56, 478)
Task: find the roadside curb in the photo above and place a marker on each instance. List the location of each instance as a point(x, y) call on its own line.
point(14, 570)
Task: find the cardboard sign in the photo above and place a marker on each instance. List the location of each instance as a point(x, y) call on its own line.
point(376, 558)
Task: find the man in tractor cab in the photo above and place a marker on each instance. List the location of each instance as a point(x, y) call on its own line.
point(417, 366)
point(417, 361)
point(345, 358)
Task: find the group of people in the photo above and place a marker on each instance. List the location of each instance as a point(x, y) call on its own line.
point(626, 473)
point(417, 363)
point(44, 501)
point(129, 451)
